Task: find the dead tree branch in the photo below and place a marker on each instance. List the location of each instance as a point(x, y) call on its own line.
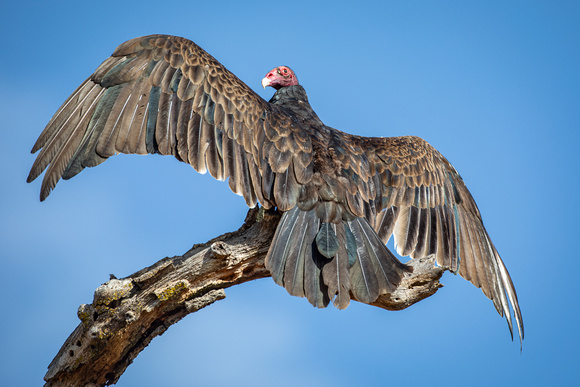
point(126, 314)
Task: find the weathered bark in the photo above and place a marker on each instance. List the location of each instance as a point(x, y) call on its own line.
point(126, 314)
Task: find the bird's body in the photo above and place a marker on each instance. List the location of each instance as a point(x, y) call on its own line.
point(342, 196)
point(324, 247)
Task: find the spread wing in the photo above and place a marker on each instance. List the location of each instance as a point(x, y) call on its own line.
point(407, 189)
point(164, 94)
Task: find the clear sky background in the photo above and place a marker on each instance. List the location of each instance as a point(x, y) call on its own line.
point(494, 85)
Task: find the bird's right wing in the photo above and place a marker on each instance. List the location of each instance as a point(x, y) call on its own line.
point(164, 94)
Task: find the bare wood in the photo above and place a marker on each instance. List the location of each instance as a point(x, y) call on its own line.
point(126, 314)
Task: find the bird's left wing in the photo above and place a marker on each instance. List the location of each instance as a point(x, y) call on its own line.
point(408, 190)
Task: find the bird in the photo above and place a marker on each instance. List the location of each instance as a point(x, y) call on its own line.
point(341, 196)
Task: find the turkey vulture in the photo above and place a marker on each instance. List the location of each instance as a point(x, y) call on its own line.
point(342, 196)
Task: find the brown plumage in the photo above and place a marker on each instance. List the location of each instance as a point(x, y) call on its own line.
point(342, 196)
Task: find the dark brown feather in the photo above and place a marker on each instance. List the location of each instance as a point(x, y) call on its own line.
point(314, 288)
point(335, 273)
point(63, 114)
point(298, 250)
point(112, 127)
point(131, 122)
point(61, 126)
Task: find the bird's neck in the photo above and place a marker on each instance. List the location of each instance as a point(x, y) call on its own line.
point(295, 99)
point(289, 94)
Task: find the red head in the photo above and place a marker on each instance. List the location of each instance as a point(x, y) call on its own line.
point(279, 77)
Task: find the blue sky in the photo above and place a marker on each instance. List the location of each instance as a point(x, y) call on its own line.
point(493, 85)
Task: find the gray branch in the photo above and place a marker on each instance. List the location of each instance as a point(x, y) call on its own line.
point(126, 314)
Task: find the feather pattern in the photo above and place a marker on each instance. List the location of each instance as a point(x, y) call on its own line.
point(343, 196)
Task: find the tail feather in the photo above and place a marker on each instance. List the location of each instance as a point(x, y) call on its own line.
point(327, 241)
point(279, 249)
point(330, 261)
point(336, 272)
point(294, 267)
point(314, 288)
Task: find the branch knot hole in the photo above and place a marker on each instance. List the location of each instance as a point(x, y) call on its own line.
point(220, 250)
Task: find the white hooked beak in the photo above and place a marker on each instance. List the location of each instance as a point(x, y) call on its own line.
point(265, 82)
